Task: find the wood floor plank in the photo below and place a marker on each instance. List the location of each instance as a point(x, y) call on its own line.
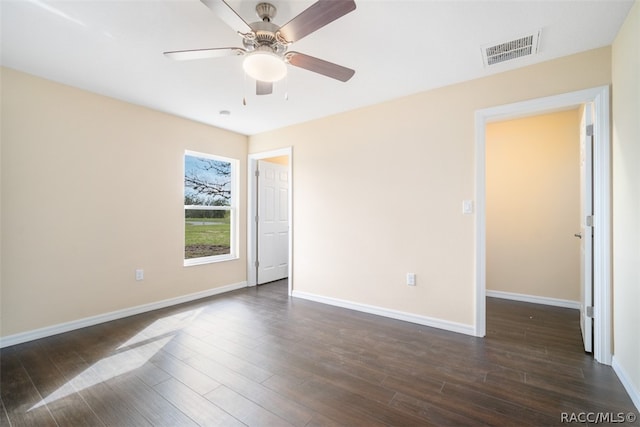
point(146, 400)
point(322, 400)
point(270, 362)
point(4, 418)
point(151, 374)
point(244, 409)
point(194, 405)
point(432, 413)
point(178, 350)
point(246, 369)
point(256, 356)
point(19, 395)
point(290, 410)
point(59, 395)
point(112, 408)
point(316, 356)
point(184, 373)
point(319, 420)
point(338, 371)
point(498, 411)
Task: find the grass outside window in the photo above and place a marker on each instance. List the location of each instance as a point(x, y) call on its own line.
point(204, 237)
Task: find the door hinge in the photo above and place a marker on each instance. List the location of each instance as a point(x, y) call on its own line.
point(589, 220)
point(257, 174)
point(257, 264)
point(589, 311)
point(589, 130)
point(257, 218)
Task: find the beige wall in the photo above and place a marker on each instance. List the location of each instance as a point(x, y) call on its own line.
point(378, 191)
point(92, 190)
point(377, 194)
point(533, 205)
point(626, 198)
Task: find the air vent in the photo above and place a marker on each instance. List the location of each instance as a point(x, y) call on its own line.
point(519, 47)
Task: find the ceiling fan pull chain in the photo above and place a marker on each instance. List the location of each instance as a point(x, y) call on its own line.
point(286, 87)
point(244, 89)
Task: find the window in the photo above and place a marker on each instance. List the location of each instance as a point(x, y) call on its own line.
point(210, 209)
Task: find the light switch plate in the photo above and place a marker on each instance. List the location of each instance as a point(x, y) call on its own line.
point(467, 207)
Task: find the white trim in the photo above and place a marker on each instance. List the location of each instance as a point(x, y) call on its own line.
point(633, 392)
point(233, 209)
point(207, 208)
point(535, 299)
point(480, 327)
point(385, 312)
point(190, 262)
point(252, 211)
point(602, 203)
point(114, 315)
point(602, 269)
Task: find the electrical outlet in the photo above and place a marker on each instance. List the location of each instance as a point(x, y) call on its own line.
point(411, 279)
point(139, 274)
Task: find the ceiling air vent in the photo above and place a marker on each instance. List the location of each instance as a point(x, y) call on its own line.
point(525, 45)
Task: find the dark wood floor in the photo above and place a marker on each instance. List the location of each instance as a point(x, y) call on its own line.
point(257, 357)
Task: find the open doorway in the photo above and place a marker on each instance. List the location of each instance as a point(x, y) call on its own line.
point(602, 202)
point(269, 217)
point(533, 208)
point(536, 195)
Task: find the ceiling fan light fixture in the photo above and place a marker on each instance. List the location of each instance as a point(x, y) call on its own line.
point(264, 66)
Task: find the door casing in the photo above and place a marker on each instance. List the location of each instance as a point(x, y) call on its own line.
point(586, 234)
point(602, 203)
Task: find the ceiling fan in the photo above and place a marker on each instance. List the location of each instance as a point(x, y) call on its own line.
point(266, 44)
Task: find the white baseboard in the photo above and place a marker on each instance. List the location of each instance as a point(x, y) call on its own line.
point(118, 314)
point(385, 312)
point(633, 392)
point(534, 299)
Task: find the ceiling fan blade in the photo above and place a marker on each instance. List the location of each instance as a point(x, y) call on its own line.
point(217, 52)
point(320, 66)
point(264, 88)
point(315, 17)
point(228, 15)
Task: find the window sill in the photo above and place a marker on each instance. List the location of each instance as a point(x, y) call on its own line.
point(209, 260)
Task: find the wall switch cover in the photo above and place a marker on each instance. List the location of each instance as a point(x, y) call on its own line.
point(467, 207)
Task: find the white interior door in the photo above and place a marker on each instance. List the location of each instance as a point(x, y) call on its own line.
point(586, 227)
point(273, 221)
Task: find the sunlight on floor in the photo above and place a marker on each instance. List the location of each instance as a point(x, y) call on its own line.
point(130, 356)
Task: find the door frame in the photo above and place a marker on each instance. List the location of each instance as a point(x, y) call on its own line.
point(252, 211)
point(602, 344)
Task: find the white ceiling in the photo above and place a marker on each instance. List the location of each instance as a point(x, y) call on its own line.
point(397, 48)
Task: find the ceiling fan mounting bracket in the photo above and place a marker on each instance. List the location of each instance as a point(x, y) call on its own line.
point(266, 11)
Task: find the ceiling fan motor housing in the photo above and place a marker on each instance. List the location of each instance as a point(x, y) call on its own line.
point(264, 34)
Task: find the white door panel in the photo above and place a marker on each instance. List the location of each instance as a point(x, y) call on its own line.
point(273, 222)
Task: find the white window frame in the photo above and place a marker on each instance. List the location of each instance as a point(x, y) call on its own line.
point(232, 208)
